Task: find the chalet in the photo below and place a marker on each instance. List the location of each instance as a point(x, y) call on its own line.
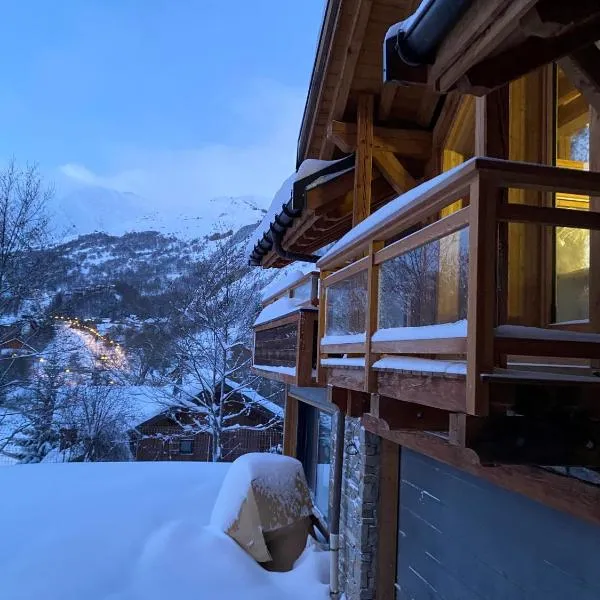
point(441, 355)
point(161, 433)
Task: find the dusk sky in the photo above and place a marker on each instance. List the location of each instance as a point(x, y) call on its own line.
point(175, 100)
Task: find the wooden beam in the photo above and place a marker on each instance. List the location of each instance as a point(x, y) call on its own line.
point(482, 299)
point(354, 44)
point(428, 346)
point(352, 269)
point(551, 439)
point(372, 313)
point(535, 347)
point(479, 32)
point(525, 57)
point(567, 494)
point(491, 124)
point(290, 425)
point(545, 215)
point(358, 403)
point(386, 100)
point(435, 390)
point(406, 416)
point(582, 67)
point(594, 282)
point(304, 348)
point(414, 143)
point(363, 171)
point(394, 171)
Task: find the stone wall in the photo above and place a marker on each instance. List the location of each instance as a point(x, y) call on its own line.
point(358, 515)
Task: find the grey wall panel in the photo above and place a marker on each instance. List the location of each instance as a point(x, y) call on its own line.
point(462, 538)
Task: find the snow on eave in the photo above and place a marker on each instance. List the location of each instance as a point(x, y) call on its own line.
point(281, 308)
point(283, 196)
point(277, 369)
point(366, 229)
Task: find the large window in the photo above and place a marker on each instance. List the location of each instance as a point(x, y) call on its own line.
point(314, 451)
point(572, 260)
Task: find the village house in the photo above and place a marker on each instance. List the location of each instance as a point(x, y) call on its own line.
point(254, 424)
point(439, 336)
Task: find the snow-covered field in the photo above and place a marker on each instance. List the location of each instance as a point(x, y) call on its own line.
point(131, 531)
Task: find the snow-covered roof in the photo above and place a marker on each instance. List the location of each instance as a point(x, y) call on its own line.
point(279, 284)
point(307, 169)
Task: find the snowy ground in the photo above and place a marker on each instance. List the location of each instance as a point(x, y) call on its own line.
point(130, 531)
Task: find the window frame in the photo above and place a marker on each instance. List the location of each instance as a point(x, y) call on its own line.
point(181, 442)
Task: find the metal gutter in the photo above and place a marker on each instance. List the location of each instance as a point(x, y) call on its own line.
point(273, 237)
point(417, 39)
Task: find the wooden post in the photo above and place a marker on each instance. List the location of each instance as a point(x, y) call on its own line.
point(372, 315)
point(481, 311)
point(594, 290)
point(363, 173)
point(492, 139)
point(321, 325)
point(304, 348)
point(290, 425)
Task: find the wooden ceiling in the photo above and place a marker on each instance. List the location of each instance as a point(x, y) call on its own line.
point(353, 64)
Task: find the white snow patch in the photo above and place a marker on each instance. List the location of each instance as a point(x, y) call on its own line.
point(343, 362)
point(280, 308)
point(538, 333)
point(355, 338)
point(276, 369)
point(364, 231)
point(275, 475)
point(132, 531)
point(281, 283)
point(426, 365)
point(457, 329)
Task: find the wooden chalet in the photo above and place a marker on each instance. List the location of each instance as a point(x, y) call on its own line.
point(452, 212)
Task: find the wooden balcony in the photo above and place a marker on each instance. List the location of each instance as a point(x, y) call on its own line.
point(285, 334)
point(415, 310)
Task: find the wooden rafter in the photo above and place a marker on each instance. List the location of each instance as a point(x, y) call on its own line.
point(582, 67)
point(394, 171)
point(350, 60)
point(413, 143)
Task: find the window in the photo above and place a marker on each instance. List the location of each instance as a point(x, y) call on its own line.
point(186, 447)
point(572, 246)
point(314, 452)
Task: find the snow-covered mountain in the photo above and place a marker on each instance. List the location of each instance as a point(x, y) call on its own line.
point(98, 209)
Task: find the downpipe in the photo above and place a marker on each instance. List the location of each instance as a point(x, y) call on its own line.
point(336, 499)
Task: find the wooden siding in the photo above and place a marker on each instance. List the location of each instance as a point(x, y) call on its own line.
point(276, 346)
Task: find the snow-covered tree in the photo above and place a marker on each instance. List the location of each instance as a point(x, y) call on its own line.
point(212, 337)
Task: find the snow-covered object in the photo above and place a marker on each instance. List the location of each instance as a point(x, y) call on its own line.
point(280, 308)
point(424, 365)
point(262, 493)
point(343, 362)
point(457, 329)
point(254, 397)
point(277, 369)
point(132, 531)
point(279, 284)
point(354, 338)
point(364, 231)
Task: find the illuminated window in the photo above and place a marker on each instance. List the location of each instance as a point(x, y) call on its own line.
point(572, 245)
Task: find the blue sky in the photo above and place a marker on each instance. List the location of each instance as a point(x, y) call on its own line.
point(185, 98)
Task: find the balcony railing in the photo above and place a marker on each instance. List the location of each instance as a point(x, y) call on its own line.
point(416, 306)
point(285, 333)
